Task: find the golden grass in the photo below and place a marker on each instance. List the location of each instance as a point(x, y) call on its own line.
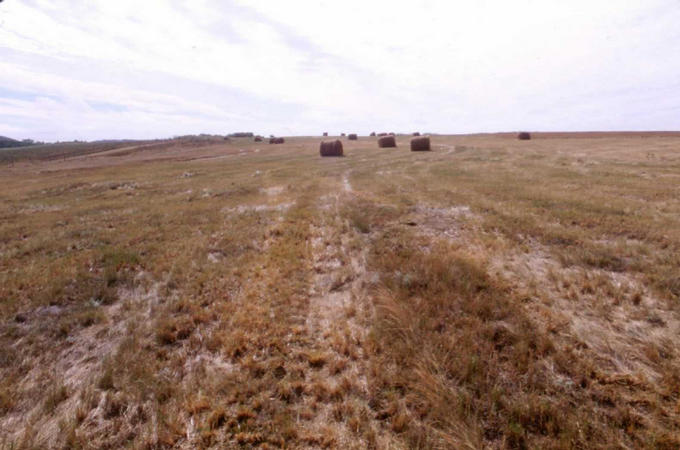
point(490, 293)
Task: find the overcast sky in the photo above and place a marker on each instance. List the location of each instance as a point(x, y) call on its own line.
point(92, 69)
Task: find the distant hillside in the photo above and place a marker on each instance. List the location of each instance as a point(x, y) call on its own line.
point(40, 151)
point(6, 142)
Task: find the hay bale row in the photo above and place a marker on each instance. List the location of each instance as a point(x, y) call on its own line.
point(275, 140)
point(387, 141)
point(334, 148)
point(420, 144)
point(523, 136)
point(331, 148)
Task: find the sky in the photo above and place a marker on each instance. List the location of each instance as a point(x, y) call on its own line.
point(102, 69)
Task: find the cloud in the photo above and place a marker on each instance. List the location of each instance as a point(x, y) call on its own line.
point(101, 69)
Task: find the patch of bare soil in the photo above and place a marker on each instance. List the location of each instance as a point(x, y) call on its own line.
point(430, 222)
point(612, 313)
point(608, 318)
point(77, 363)
point(339, 317)
point(281, 207)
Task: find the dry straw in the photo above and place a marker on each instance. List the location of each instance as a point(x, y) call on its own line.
point(420, 144)
point(387, 141)
point(331, 148)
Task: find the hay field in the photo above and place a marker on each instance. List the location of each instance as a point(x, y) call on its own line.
point(490, 293)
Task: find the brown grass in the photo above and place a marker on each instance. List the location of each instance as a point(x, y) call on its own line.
point(490, 293)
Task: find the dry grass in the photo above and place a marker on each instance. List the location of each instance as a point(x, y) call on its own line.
point(489, 293)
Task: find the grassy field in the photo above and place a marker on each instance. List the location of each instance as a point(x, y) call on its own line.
point(492, 293)
point(46, 152)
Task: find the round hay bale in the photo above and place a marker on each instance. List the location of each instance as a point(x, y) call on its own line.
point(523, 136)
point(372, 133)
point(331, 148)
point(387, 141)
point(342, 134)
point(275, 140)
point(420, 144)
point(416, 133)
point(325, 133)
point(258, 139)
point(352, 137)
